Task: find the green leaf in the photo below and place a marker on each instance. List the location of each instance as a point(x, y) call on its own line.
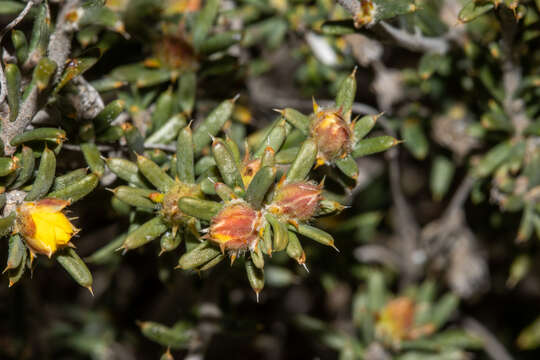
point(177, 337)
point(473, 9)
point(414, 138)
point(442, 173)
point(204, 21)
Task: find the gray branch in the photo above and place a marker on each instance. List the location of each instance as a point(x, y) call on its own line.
point(85, 99)
point(87, 105)
point(378, 254)
point(164, 147)
point(460, 196)
point(106, 148)
point(60, 41)
point(511, 69)
point(19, 18)
point(3, 83)
point(405, 224)
point(413, 42)
point(352, 6)
point(11, 129)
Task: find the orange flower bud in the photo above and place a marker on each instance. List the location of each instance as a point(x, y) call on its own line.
point(235, 227)
point(395, 322)
point(396, 319)
point(332, 134)
point(366, 15)
point(297, 201)
point(44, 226)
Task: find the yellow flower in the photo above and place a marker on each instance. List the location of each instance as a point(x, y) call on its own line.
point(44, 226)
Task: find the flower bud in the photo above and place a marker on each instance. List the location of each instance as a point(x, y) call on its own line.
point(174, 52)
point(297, 201)
point(170, 211)
point(44, 226)
point(332, 134)
point(235, 227)
point(366, 13)
point(395, 320)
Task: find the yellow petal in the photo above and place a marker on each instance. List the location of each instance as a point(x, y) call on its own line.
point(51, 228)
point(62, 237)
point(44, 231)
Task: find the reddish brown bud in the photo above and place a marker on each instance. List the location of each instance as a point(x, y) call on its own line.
point(332, 134)
point(235, 227)
point(298, 201)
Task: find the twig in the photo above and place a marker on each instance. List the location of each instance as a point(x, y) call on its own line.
point(412, 42)
point(3, 82)
point(120, 119)
point(27, 111)
point(164, 147)
point(13, 198)
point(10, 129)
point(492, 346)
point(19, 18)
point(452, 218)
point(73, 147)
point(378, 254)
point(360, 108)
point(511, 69)
point(58, 51)
point(352, 6)
point(105, 148)
point(460, 196)
point(86, 100)
point(60, 40)
point(406, 225)
point(369, 169)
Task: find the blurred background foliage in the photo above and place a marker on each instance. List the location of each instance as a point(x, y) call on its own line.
point(439, 238)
